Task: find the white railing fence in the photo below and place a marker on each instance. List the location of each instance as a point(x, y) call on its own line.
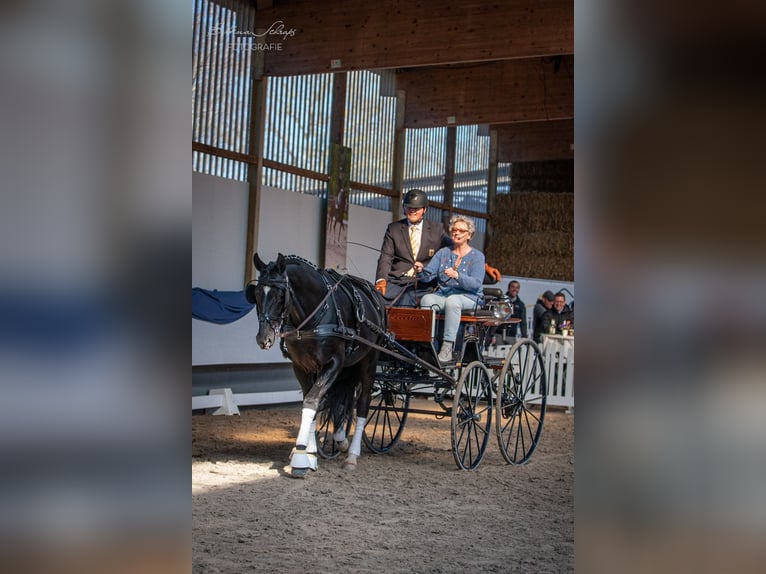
point(558, 360)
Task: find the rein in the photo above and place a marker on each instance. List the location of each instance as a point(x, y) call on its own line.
point(413, 284)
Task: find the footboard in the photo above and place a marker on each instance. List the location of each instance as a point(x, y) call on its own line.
point(409, 324)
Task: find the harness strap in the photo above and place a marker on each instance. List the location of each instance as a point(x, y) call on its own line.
point(325, 330)
point(334, 302)
point(296, 331)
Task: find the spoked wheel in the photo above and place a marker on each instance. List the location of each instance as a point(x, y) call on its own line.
point(522, 396)
point(389, 405)
point(326, 446)
point(471, 416)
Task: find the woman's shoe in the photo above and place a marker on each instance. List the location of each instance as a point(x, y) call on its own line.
point(445, 354)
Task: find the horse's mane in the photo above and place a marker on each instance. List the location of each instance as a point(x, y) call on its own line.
point(332, 273)
point(299, 259)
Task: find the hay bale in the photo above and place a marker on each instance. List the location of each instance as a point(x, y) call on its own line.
point(533, 235)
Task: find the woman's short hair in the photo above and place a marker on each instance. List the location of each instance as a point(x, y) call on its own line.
point(465, 219)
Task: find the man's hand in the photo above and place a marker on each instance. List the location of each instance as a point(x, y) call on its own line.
point(380, 285)
point(493, 272)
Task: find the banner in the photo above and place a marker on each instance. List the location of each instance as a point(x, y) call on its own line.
point(336, 234)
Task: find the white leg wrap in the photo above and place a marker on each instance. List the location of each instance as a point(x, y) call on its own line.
point(356, 442)
point(340, 439)
point(312, 445)
point(340, 434)
point(307, 417)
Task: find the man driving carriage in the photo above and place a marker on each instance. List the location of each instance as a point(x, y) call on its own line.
point(407, 241)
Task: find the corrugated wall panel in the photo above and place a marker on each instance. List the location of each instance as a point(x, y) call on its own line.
point(297, 129)
point(369, 132)
point(471, 172)
point(424, 165)
point(221, 82)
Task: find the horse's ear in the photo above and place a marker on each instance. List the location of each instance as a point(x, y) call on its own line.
point(259, 265)
point(281, 263)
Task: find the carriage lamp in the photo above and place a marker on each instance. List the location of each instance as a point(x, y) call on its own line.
point(502, 310)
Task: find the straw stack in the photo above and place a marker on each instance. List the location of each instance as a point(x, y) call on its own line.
point(533, 235)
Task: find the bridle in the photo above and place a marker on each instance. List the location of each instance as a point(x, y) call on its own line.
point(283, 284)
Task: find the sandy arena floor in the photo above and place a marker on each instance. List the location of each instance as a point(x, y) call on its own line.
point(410, 510)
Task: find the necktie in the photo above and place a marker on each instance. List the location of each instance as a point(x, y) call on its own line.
point(415, 246)
point(414, 243)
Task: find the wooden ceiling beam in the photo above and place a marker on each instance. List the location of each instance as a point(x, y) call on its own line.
point(317, 37)
point(490, 93)
point(535, 141)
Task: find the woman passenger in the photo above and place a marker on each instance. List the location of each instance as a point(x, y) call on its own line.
point(460, 272)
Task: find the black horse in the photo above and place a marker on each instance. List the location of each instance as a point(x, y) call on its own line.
point(322, 319)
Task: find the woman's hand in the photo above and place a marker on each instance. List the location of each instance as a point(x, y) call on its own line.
point(418, 267)
point(451, 273)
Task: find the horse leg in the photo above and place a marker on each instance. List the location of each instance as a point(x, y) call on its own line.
point(341, 405)
point(301, 458)
point(304, 453)
point(311, 447)
point(340, 438)
point(356, 444)
point(367, 373)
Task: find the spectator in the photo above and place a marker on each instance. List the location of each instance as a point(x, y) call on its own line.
point(518, 311)
point(395, 271)
point(544, 303)
point(460, 273)
point(558, 317)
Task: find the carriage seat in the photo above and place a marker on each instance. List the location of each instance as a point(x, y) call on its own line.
point(490, 294)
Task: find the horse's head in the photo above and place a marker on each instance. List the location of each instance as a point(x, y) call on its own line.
point(272, 297)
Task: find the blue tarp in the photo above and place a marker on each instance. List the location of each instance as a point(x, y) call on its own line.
point(219, 306)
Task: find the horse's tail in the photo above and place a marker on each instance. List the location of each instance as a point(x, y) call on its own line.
point(341, 397)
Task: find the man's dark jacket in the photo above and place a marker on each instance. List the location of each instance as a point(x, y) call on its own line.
point(396, 257)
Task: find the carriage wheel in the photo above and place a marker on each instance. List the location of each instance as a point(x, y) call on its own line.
point(326, 446)
point(471, 416)
point(389, 406)
point(522, 396)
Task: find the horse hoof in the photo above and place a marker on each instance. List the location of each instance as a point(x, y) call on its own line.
point(343, 446)
point(299, 472)
point(350, 463)
point(299, 458)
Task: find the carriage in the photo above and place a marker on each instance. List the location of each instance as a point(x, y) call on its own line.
point(472, 392)
point(475, 390)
